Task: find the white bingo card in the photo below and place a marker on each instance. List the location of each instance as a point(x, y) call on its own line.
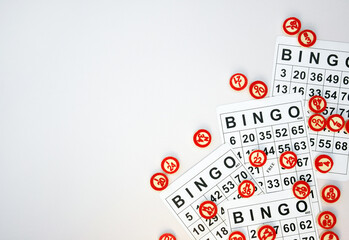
point(292, 218)
point(273, 125)
point(319, 70)
point(215, 178)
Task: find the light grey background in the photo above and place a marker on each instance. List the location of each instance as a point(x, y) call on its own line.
point(93, 94)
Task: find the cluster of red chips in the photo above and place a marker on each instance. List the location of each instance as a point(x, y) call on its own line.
point(292, 26)
point(258, 89)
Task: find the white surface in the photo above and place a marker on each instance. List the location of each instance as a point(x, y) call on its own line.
point(93, 94)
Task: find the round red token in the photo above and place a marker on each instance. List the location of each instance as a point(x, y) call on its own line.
point(208, 209)
point(288, 160)
point(292, 26)
point(327, 220)
point(335, 123)
point(317, 122)
point(323, 163)
point(301, 189)
point(306, 38)
point(246, 189)
point(238, 81)
point(258, 89)
point(329, 235)
point(159, 181)
point(317, 104)
point(266, 232)
point(167, 236)
point(237, 236)
point(170, 165)
point(330, 193)
point(202, 138)
point(258, 158)
point(346, 127)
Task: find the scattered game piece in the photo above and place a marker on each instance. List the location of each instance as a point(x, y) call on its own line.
point(266, 232)
point(329, 235)
point(237, 236)
point(208, 209)
point(170, 165)
point(288, 160)
point(301, 189)
point(307, 38)
point(202, 138)
point(159, 181)
point(246, 189)
point(317, 122)
point(327, 220)
point(317, 104)
point(167, 236)
point(258, 158)
point(292, 26)
point(238, 81)
point(335, 123)
point(258, 89)
point(346, 127)
point(330, 193)
point(323, 163)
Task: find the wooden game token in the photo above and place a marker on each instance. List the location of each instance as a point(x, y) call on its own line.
point(288, 160)
point(208, 209)
point(301, 189)
point(237, 235)
point(159, 181)
point(317, 104)
point(327, 220)
point(346, 126)
point(317, 122)
point(291, 26)
point(323, 163)
point(167, 236)
point(307, 38)
point(258, 89)
point(266, 232)
point(246, 189)
point(330, 193)
point(238, 81)
point(335, 123)
point(202, 138)
point(329, 235)
point(257, 158)
point(170, 165)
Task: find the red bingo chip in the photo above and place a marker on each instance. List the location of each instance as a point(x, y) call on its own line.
point(246, 189)
point(258, 89)
point(306, 38)
point(317, 122)
point(159, 181)
point(335, 122)
point(237, 236)
point(329, 235)
point(288, 160)
point(170, 165)
point(266, 232)
point(346, 127)
point(238, 81)
point(323, 163)
point(258, 158)
point(202, 138)
point(327, 220)
point(330, 193)
point(208, 209)
point(292, 26)
point(167, 236)
point(301, 189)
point(317, 104)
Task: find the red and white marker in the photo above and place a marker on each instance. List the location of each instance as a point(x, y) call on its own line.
point(202, 138)
point(208, 209)
point(317, 104)
point(237, 236)
point(335, 123)
point(327, 220)
point(258, 158)
point(292, 26)
point(323, 163)
point(317, 122)
point(167, 236)
point(288, 160)
point(329, 235)
point(301, 189)
point(258, 89)
point(246, 189)
point(170, 165)
point(266, 232)
point(238, 81)
point(346, 127)
point(159, 181)
point(307, 38)
point(330, 193)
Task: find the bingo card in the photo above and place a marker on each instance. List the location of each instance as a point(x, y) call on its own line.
point(215, 178)
point(274, 125)
point(320, 70)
